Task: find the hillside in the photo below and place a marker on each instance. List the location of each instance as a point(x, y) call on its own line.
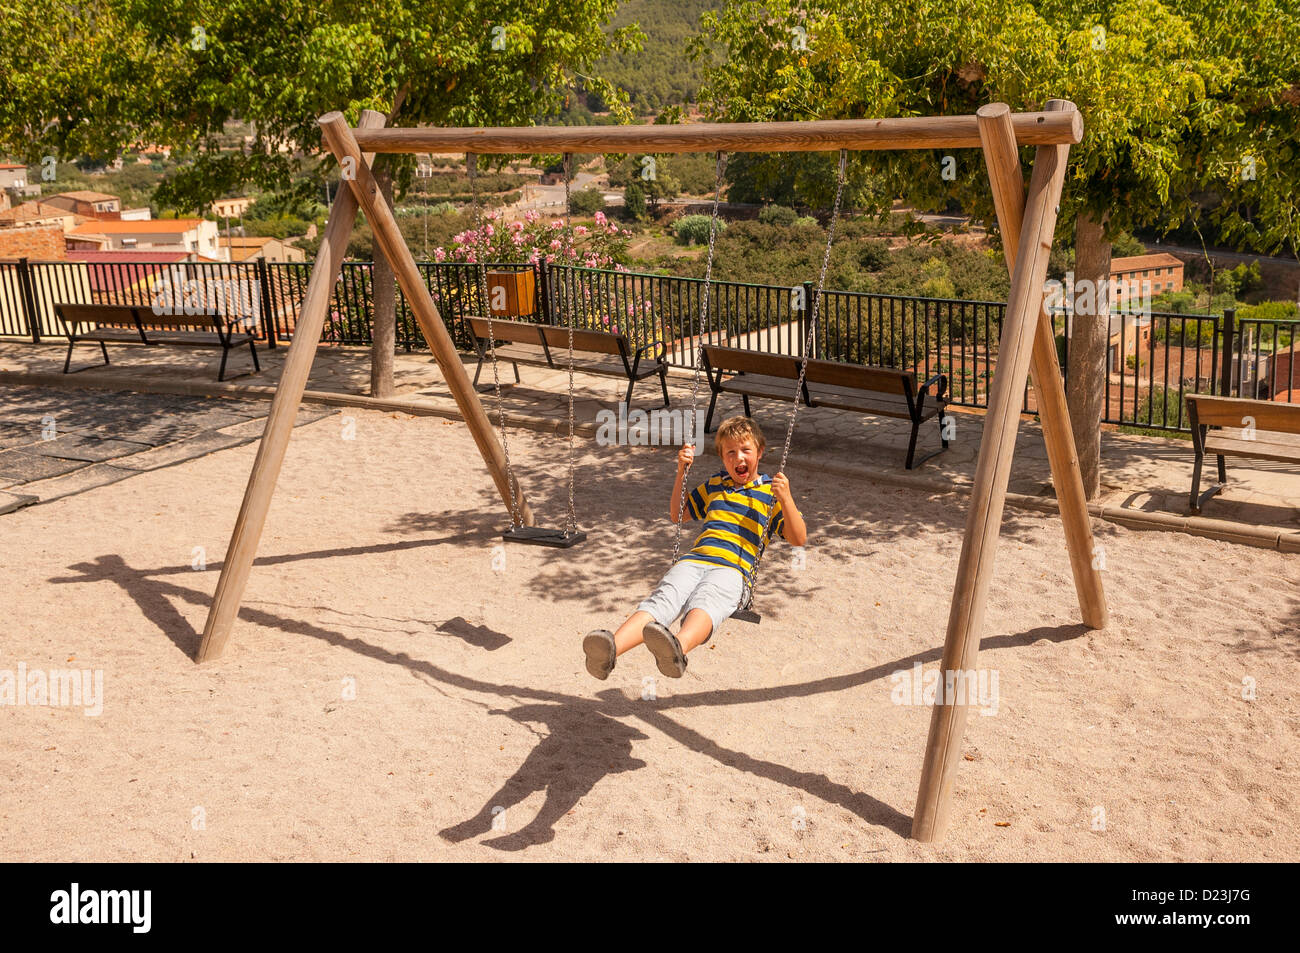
point(661, 74)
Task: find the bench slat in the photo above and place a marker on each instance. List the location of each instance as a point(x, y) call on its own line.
point(888, 405)
point(885, 380)
point(1282, 448)
point(515, 332)
point(1230, 411)
point(752, 362)
point(757, 385)
point(598, 342)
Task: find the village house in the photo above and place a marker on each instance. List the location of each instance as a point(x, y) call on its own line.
point(264, 248)
point(1130, 276)
point(99, 205)
point(194, 235)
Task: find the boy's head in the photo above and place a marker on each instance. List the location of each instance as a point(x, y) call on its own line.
point(740, 444)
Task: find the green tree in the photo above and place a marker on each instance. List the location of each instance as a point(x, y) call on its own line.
point(175, 71)
point(1189, 112)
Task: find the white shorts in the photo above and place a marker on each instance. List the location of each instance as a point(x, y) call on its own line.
point(695, 585)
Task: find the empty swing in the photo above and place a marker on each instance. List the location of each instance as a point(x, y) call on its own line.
point(518, 532)
point(745, 611)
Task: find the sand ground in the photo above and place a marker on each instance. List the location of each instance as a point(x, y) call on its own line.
point(392, 692)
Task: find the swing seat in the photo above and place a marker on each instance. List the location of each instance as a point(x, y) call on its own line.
point(747, 615)
point(542, 536)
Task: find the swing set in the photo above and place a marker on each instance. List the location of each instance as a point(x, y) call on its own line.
point(1027, 223)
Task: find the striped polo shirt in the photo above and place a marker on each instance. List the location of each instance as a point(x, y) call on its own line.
point(734, 519)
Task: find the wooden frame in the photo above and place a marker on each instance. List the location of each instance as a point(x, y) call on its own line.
point(1027, 222)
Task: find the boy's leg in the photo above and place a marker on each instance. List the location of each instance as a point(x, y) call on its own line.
point(710, 604)
point(696, 629)
point(632, 632)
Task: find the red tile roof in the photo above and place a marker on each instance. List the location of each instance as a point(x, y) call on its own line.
point(1139, 262)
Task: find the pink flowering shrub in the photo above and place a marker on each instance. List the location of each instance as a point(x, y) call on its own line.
point(603, 245)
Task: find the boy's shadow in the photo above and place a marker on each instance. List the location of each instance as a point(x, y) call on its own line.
point(582, 747)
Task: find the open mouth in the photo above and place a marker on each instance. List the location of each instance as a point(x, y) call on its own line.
point(742, 470)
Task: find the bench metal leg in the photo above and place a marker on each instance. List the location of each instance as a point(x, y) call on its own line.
point(479, 370)
point(627, 399)
point(257, 367)
point(744, 399)
point(225, 353)
point(1198, 499)
point(663, 382)
point(911, 443)
point(67, 361)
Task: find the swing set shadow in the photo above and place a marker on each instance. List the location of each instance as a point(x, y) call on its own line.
point(587, 737)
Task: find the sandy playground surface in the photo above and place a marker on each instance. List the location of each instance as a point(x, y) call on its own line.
point(474, 731)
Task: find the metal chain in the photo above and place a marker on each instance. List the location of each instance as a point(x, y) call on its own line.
point(803, 365)
point(688, 431)
point(573, 512)
point(471, 163)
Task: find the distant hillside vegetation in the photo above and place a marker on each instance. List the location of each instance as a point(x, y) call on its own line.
point(661, 74)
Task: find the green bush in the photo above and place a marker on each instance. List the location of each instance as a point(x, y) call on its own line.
point(693, 229)
point(777, 215)
point(1269, 311)
point(1126, 246)
point(805, 220)
point(587, 202)
point(634, 201)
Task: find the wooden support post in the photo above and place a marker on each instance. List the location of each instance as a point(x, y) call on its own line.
point(988, 493)
point(388, 237)
point(279, 424)
point(1009, 200)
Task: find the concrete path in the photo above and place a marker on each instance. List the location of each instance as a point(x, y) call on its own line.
point(1145, 479)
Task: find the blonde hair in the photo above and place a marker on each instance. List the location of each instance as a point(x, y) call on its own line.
point(737, 429)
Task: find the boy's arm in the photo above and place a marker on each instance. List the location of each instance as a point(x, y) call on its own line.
point(793, 528)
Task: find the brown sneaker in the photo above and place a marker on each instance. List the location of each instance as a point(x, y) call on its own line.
point(666, 649)
point(601, 652)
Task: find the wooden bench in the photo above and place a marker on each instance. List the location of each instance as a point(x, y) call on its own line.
point(547, 345)
point(139, 324)
point(1239, 427)
point(882, 391)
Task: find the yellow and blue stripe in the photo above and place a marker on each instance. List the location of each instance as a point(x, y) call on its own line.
point(735, 518)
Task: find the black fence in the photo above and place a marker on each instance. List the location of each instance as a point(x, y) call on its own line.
point(1152, 360)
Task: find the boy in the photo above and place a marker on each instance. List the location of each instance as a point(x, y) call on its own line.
point(707, 583)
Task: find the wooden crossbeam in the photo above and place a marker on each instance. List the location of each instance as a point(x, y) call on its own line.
point(912, 132)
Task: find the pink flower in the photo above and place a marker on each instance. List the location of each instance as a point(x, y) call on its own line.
point(580, 230)
point(557, 224)
point(555, 244)
point(518, 239)
point(600, 218)
point(440, 254)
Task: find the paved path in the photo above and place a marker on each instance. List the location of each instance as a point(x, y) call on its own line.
point(1140, 474)
point(55, 442)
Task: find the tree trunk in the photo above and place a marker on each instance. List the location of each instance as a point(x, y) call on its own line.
point(384, 295)
point(1089, 336)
